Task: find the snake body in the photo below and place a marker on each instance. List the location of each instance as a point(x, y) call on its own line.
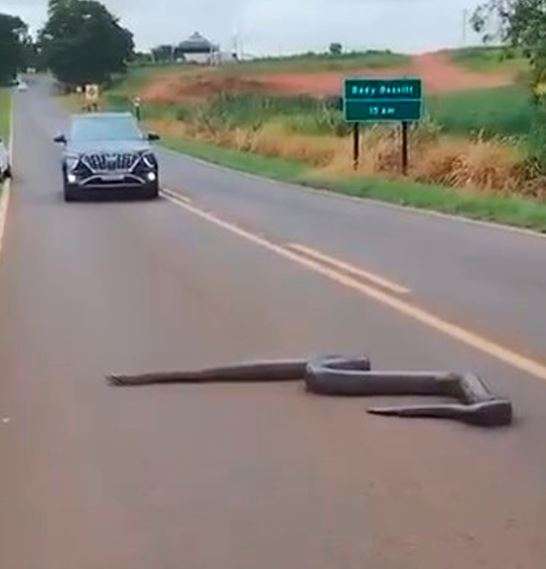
point(342, 376)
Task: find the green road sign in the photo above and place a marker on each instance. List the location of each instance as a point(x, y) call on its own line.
point(377, 100)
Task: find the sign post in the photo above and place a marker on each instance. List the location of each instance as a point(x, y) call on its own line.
point(136, 106)
point(356, 145)
point(383, 100)
point(405, 147)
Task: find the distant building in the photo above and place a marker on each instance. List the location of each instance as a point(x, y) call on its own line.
point(198, 49)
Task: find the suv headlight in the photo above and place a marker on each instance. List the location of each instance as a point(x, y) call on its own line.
point(149, 159)
point(71, 161)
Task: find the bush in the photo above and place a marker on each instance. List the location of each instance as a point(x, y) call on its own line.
point(537, 139)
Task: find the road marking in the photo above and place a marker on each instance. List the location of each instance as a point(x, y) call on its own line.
point(5, 191)
point(362, 200)
point(489, 347)
point(176, 196)
point(4, 204)
point(349, 268)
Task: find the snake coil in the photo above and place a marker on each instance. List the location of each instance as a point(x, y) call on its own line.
point(342, 376)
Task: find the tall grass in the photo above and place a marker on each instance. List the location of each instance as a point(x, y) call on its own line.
point(5, 113)
point(491, 59)
point(301, 114)
point(510, 210)
point(506, 111)
point(490, 165)
point(312, 62)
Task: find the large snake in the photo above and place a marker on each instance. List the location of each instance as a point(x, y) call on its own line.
point(337, 375)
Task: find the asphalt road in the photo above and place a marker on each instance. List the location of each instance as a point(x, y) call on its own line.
point(255, 476)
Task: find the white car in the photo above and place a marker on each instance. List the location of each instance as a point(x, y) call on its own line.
point(22, 86)
point(5, 171)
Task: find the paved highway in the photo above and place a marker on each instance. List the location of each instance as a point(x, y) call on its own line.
point(227, 267)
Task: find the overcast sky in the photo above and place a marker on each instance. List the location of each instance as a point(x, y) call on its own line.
point(284, 26)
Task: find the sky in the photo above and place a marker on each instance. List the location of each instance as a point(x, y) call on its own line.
point(285, 26)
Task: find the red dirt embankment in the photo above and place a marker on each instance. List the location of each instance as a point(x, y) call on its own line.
point(438, 71)
point(441, 75)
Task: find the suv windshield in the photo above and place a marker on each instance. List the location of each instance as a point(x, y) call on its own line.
point(104, 128)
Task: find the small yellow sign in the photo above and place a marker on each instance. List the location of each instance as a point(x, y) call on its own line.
point(92, 93)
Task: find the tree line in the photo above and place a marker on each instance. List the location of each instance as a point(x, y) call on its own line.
point(81, 42)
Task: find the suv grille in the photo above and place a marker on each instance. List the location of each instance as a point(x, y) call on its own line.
point(111, 162)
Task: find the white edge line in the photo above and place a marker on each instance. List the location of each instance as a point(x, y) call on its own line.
point(11, 129)
point(475, 341)
point(4, 205)
point(350, 268)
point(6, 189)
point(355, 199)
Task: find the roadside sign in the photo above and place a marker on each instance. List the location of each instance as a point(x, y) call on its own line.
point(380, 100)
point(92, 93)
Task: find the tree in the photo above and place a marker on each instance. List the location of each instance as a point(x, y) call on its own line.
point(521, 23)
point(336, 48)
point(163, 53)
point(13, 36)
point(83, 43)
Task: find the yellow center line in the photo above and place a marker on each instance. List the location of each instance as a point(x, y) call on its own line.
point(176, 196)
point(476, 341)
point(349, 268)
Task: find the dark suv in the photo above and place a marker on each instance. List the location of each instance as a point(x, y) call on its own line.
point(107, 156)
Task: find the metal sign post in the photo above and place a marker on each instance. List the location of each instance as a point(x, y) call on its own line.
point(356, 146)
point(136, 107)
point(383, 100)
point(405, 147)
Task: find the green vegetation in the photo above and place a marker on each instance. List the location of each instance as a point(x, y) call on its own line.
point(537, 140)
point(491, 59)
point(506, 111)
point(13, 41)
point(5, 113)
point(315, 62)
point(521, 24)
point(303, 140)
point(83, 43)
point(304, 63)
point(512, 211)
point(274, 168)
point(302, 114)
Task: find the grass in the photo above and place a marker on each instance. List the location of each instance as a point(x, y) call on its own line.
point(505, 111)
point(316, 62)
point(5, 114)
point(308, 62)
point(491, 59)
point(508, 210)
point(274, 168)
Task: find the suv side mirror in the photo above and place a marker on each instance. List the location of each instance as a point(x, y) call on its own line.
point(153, 136)
point(60, 139)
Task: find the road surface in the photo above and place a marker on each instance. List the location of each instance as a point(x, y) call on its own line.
point(256, 476)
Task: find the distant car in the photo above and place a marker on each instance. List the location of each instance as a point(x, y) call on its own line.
point(107, 155)
point(22, 86)
point(5, 170)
